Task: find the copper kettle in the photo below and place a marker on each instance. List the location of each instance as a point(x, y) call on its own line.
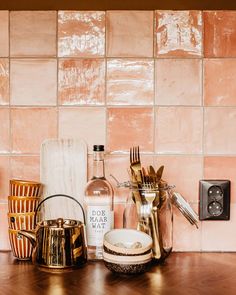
point(59, 243)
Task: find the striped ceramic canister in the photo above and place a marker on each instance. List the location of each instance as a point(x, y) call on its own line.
point(22, 204)
point(18, 221)
point(25, 188)
point(20, 245)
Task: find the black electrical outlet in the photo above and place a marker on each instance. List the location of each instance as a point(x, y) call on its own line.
point(214, 199)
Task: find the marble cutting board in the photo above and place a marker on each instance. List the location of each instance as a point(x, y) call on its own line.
point(63, 170)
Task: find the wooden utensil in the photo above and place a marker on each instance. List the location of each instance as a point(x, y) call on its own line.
point(63, 170)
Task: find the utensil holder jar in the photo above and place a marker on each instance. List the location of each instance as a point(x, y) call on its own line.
point(153, 216)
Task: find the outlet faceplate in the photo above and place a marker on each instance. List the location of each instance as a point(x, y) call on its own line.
point(214, 199)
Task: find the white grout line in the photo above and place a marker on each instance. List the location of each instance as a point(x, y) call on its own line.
point(9, 103)
point(114, 106)
point(105, 85)
point(57, 91)
point(145, 153)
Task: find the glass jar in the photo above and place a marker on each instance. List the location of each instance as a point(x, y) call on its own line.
point(165, 214)
point(130, 215)
point(150, 210)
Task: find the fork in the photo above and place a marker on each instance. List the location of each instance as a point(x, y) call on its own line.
point(135, 163)
point(150, 196)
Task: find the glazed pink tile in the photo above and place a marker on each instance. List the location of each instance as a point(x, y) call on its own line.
point(218, 235)
point(127, 127)
point(86, 123)
point(4, 178)
point(129, 33)
point(179, 130)
point(221, 167)
point(4, 33)
point(4, 239)
point(25, 167)
point(184, 172)
point(178, 33)
point(4, 81)
point(130, 81)
point(186, 237)
point(33, 33)
point(81, 33)
point(81, 81)
point(30, 127)
point(4, 130)
point(220, 128)
point(33, 82)
point(178, 81)
point(220, 33)
point(118, 166)
point(219, 82)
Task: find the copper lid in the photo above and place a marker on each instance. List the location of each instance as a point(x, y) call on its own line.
point(59, 223)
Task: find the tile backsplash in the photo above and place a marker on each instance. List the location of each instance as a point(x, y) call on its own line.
point(163, 80)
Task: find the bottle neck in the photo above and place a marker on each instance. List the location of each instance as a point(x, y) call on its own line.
point(98, 165)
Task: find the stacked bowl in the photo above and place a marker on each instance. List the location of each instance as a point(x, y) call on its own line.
point(127, 251)
point(22, 203)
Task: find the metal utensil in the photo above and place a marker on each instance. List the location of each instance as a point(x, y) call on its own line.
point(152, 175)
point(135, 163)
point(159, 173)
point(155, 216)
point(150, 195)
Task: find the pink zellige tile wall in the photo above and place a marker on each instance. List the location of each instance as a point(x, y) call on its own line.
point(163, 80)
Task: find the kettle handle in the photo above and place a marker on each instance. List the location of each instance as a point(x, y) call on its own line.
point(54, 196)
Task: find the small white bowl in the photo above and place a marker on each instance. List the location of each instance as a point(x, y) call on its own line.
point(127, 237)
point(127, 259)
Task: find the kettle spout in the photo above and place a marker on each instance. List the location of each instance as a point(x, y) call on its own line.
point(29, 234)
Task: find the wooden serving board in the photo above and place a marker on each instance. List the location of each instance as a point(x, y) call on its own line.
point(63, 170)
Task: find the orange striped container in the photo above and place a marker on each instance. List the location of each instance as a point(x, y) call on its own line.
point(18, 221)
point(20, 245)
point(25, 188)
point(22, 204)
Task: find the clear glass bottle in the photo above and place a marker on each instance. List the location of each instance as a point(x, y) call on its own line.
point(98, 205)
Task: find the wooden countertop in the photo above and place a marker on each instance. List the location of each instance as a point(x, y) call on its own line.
point(182, 273)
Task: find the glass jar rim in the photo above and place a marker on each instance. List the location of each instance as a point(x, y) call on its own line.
point(167, 187)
